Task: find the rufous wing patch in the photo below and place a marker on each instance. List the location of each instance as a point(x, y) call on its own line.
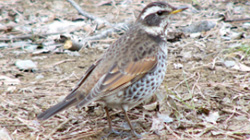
point(118, 77)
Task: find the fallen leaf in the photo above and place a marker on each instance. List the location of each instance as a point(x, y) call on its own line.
point(150, 107)
point(241, 67)
point(8, 81)
point(159, 120)
point(212, 117)
point(4, 135)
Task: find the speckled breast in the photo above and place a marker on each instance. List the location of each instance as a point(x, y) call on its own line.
point(145, 87)
point(141, 89)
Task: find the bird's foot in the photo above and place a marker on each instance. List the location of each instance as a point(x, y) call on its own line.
point(129, 136)
point(124, 135)
point(112, 131)
point(136, 134)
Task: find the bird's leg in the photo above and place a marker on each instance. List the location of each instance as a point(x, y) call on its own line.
point(109, 121)
point(111, 130)
point(130, 125)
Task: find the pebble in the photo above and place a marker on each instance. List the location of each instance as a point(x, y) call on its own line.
point(39, 77)
point(246, 25)
point(236, 35)
point(25, 65)
point(195, 35)
point(229, 63)
point(30, 48)
point(199, 27)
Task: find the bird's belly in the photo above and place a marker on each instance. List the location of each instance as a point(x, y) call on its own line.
point(141, 89)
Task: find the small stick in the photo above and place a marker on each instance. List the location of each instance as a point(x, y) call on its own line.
point(107, 32)
point(88, 15)
point(102, 35)
point(225, 19)
point(63, 61)
point(115, 27)
point(235, 20)
point(72, 45)
point(29, 36)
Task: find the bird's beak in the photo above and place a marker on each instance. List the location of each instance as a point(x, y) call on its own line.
point(178, 9)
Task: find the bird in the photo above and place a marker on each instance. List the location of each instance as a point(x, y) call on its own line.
point(130, 70)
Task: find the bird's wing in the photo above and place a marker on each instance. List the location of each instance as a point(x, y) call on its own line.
point(118, 78)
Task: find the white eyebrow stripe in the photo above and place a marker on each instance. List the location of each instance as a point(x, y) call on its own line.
point(151, 10)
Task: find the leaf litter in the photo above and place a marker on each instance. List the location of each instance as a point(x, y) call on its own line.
point(205, 94)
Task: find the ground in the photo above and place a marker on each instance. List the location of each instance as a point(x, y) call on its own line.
point(205, 94)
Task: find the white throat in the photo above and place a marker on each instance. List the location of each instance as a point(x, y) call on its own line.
point(157, 30)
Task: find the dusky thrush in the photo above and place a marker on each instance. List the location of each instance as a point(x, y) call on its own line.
point(130, 70)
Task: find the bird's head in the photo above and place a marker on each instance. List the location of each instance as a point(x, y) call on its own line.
point(154, 18)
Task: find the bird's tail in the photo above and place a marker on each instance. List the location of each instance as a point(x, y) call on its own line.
point(56, 108)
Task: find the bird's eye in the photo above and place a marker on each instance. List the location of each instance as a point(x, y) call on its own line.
point(159, 13)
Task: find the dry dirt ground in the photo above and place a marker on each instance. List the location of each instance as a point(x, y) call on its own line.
point(205, 94)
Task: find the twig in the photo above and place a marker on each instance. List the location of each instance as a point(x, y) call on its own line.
point(226, 19)
point(118, 27)
point(171, 131)
point(29, 36)
point(63, 61)
point(82, 134)
point(237, 20)
point(66, 78)
point(72, 45)
point(183, 81)
point(103, 34)
point(88, 15)
point(59, 126)
point(230, 117)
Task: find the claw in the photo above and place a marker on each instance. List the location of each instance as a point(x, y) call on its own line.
point(136, 134)
point(122, 134)
point(112, 131)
